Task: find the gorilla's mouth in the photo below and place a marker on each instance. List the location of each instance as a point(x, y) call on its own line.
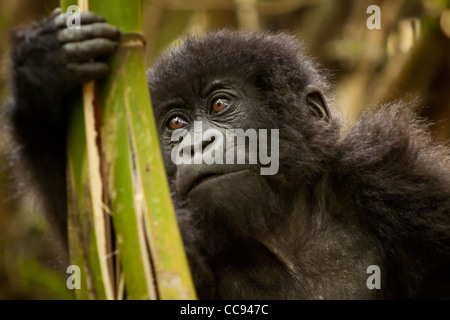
point(211, 176)
point(203, 178)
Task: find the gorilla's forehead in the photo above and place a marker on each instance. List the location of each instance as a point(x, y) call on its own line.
point(198, 85)
point(270, 59)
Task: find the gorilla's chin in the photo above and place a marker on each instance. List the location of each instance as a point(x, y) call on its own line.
point(233, 200)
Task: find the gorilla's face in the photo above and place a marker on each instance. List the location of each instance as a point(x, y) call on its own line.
point(197, 127)
point(237, 127)
point(214, 124)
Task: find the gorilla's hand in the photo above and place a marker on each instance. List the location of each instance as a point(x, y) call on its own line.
point(49, 59)
point(81, 50)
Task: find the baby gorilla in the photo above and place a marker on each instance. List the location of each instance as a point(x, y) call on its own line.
point(380, 195)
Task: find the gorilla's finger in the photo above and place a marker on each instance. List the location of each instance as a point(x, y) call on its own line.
point(88, 49)
point(95, 30)
point(78, 73)
point(85, 18)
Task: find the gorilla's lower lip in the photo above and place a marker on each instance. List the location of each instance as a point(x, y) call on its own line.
point(211, 176)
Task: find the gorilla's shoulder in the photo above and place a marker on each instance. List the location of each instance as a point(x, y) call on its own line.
point(396, 176)
point(394, 137)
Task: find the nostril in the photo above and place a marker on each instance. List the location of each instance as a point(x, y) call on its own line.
point(206, 143)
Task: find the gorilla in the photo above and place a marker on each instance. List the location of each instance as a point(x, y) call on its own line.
point(341, 202)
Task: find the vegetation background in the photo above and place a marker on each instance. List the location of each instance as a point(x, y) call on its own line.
point(409, 55)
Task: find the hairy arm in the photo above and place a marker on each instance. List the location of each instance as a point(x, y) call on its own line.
point(49, 62)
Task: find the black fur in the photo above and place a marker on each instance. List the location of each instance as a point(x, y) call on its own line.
point(36, 115)
point(378, 195)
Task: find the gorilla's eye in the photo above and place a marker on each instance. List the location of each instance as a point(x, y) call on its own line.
point(220, 104)
point(177, 122)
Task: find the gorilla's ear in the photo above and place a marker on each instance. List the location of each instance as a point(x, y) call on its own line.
point(316, 102)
